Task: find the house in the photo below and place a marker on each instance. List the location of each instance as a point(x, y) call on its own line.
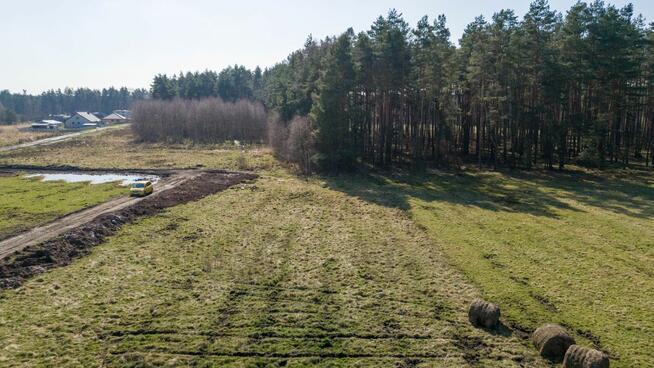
point(82, 120)
point(59, 117)
point(114, 118)
point(126, 113)
point(50, 125)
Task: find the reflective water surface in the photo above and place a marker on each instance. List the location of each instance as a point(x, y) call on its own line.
point(124, 179)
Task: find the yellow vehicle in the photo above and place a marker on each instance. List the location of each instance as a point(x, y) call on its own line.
point(141, 188)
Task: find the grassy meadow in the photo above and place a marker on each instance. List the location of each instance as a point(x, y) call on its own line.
point(28, 202)
point(574, 248)
point(363, 269)
point(19, 133)
point(277, 273)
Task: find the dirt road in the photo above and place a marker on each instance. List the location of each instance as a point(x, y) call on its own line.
point(66, 223)
point(57, 139)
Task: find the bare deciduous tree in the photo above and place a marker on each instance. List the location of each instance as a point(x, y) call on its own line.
point(301, 143)
point(293, 142)
point(209, 120)
point(278, 136)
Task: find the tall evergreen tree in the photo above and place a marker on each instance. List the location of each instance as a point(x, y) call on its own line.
point(332, 110)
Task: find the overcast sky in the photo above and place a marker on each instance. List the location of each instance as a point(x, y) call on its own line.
point(93, 43)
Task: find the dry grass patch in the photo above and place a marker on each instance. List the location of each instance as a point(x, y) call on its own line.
point(119, 149)
point(20, 133)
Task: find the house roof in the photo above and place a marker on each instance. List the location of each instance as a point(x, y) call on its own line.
point(88, 116)
point(114, 116)
point(51, 122)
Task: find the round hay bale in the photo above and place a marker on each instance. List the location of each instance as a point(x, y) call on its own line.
point(552, 341)
point(581, 357)
point(484, 314)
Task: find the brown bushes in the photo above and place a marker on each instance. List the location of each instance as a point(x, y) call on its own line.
point(278, 136)
point(581, 357)
point(484, 314)
point(293, 142)
point(552, 341)
point(209, 120)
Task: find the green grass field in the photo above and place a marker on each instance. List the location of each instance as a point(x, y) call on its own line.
point(279, 273)
point(368, 270)
point(573, 248)
point(28, 202)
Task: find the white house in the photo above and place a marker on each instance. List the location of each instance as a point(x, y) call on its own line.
point(114, 118)
point(82, 120)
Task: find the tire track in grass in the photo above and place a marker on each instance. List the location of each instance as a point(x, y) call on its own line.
point(291, 274)
point(271, 272)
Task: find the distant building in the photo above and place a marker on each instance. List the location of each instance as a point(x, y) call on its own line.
point(114, 118)
point(82, 120)
point(59, 117)
point(50, 125)
point(126, 113)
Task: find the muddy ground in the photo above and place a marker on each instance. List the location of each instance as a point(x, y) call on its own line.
point(75, 243)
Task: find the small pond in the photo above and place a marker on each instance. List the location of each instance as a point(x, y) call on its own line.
point(94, 178)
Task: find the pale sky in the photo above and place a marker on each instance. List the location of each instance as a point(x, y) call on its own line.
point(102, 43)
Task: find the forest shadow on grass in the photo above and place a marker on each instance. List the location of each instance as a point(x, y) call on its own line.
point(538, 193)
point(627, 193)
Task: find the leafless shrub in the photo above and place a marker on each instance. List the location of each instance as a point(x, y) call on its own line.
point(278, 137)
point(292, 142)
point(209, 120)
point(242, 162)
point(301, 143)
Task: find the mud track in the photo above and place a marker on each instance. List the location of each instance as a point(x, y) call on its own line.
point(60, 242)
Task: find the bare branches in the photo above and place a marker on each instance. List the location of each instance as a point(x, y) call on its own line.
point(209, 120)
point(294, 142)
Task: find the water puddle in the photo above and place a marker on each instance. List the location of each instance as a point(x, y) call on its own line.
point(124, 179)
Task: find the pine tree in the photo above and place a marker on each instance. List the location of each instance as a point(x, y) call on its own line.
point(163, 88)
point(331, 113)
point(545, 90)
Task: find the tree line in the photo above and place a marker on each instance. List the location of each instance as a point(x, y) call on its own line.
point(7, 116)
point(28, 107)
point(547, 89)
point(231, 84)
